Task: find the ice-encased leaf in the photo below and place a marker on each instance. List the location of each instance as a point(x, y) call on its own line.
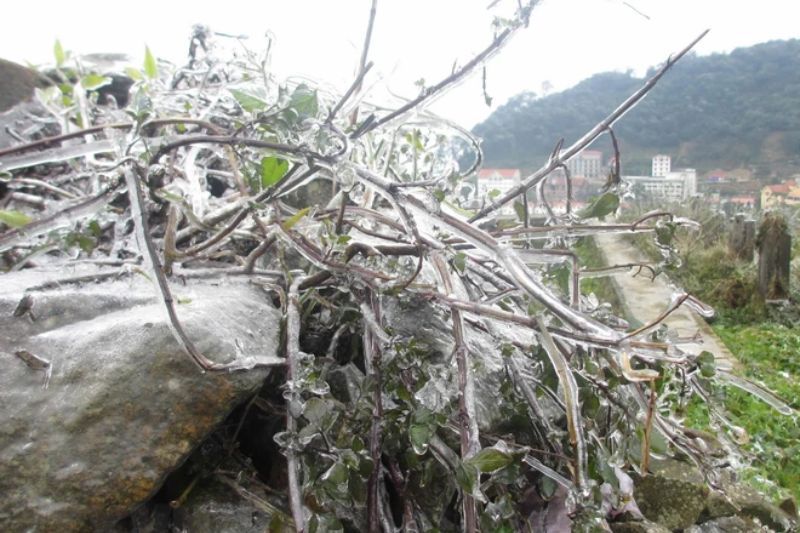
point(92, 82)
point(272, 170)
point(605, 205)
point(14, 219)
point(490, 460)
point(59, 54)
point(249, 102)
point(150, 65)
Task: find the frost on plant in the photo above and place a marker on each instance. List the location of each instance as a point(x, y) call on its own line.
point(508, 379)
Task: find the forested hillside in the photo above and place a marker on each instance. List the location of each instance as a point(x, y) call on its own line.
point(737, 110)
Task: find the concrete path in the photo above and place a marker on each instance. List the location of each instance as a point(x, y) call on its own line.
point(645, 300)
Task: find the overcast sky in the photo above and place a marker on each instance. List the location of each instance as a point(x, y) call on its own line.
point(567, 41)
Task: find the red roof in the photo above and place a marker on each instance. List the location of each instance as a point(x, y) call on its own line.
point(782, 188)
point(503, 172)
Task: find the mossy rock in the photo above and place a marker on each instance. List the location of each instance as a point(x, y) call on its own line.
point(751, 504)
point(674, 496)
point(644, 526)
point(727, 524)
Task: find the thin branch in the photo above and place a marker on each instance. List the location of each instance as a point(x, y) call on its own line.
point(456, 76)
point(372, 362)
point(63, 217)
point(468, 427)
point(292, 375)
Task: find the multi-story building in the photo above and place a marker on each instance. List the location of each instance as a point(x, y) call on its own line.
point(673, 187)
point(662, 165)
point(587, 164)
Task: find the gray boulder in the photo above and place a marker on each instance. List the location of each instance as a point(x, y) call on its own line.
point(124, 405)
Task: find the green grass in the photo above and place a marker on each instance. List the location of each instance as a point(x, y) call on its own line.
point(589, 256)
point(770, 354)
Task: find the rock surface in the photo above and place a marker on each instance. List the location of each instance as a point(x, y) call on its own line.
point(124, 404)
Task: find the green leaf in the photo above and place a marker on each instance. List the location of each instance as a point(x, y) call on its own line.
point(708, 364)
point(249, 103)
point(134, 73)
point(490, 460)
point(92, 82)
point(58, 52)
point(304, 102)
point(665, 233)
point(150, 65)
point(494, 193)
point(605, 205)
point(290, 222)
point(439, 194)
point(15, 219)
point(420, 437)
point(272, 170)
point(460, 262)
point(467, 477)
point(519, 209)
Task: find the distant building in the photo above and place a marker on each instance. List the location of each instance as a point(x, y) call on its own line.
point(501, 180)
point(673, 187)
point(785, 193)
point(662, 165)
point(587, 164)
point(717, 176)
point(689, 178)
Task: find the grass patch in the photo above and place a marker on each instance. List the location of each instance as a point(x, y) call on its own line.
point(770, 354)
point(589, 256)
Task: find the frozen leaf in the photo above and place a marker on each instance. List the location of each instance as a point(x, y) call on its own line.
point(490, 460)
point(420, 437)
point(605, 205)
point(150, 65)
point(664, 233)
point(304, 102)
point(58, 52)
point(134, 73)
point(467, 477)
point(290, 222)
point(519, 209)
point(92, 82)
point(15, 219)
point(249, 103)
point(460, 262)
point(707, 364)
point(272, 170)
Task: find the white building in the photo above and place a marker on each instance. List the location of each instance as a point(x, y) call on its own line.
point(501, 180)
point(673, 187)
point(588, 164)
point(661, 165)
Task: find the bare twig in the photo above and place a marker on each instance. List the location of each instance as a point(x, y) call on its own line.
point(456, 76)
point(292, 373)
point(468, 426)
point(372, 362)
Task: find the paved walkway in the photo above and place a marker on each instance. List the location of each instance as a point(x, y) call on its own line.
point(646, 299)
